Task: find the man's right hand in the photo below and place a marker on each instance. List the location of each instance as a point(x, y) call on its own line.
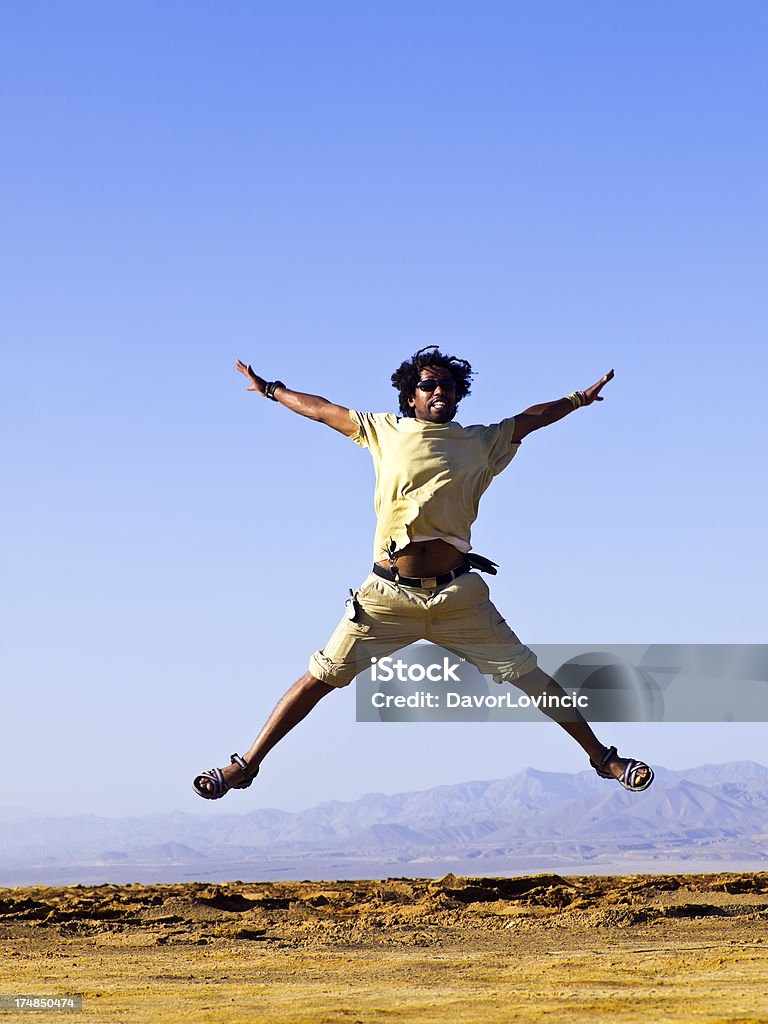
point(257, 383)
point(312, 406)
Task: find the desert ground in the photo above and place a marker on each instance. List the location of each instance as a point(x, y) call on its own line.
point(540, 948)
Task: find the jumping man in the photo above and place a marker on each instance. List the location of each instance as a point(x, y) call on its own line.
point(430, 475)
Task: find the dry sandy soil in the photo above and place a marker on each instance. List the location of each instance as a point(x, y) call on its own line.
point(540, 948)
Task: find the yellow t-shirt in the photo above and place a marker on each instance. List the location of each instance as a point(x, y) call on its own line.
point(429, 476)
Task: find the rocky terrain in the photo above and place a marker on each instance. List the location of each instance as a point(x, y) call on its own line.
point(534, 948)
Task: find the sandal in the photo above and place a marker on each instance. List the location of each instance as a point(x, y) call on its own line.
point(218, 785)
point(628, 777)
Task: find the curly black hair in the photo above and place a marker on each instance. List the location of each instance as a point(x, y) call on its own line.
point(407, 375)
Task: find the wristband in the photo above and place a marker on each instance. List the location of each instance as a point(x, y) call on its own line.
point(577, 399)
point(271, 387)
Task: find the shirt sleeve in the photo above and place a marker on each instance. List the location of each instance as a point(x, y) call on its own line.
point(366, 434)
point(499, 445)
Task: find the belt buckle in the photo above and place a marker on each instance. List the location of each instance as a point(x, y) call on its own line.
point(429, 582)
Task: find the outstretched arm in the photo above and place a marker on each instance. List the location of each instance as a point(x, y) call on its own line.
point(550, 412)
point(311, 406)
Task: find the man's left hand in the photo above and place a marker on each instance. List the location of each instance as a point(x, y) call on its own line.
point(593, 394)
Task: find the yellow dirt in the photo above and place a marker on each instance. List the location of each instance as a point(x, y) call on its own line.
point(541, 948)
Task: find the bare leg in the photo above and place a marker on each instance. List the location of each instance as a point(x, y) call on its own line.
point(537, 683)
point(292, 707)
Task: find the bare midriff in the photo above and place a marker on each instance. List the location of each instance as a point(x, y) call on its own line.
point(426, 558)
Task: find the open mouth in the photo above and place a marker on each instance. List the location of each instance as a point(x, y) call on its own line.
point(438, 404)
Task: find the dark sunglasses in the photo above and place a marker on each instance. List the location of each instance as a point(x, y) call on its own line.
point(430, 384)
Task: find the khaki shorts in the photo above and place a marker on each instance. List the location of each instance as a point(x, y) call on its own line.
point(459, 617)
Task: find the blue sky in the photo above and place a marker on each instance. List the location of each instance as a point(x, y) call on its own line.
point(546, 189)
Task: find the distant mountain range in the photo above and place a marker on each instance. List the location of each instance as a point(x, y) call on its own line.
point(714, 817)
